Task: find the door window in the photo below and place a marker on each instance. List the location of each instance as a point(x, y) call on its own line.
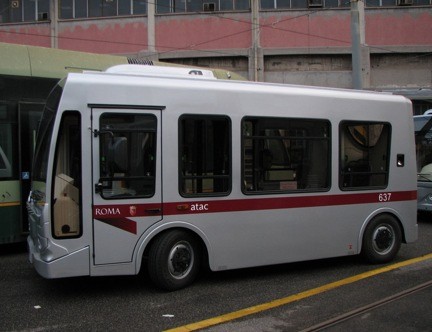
point(127, 155)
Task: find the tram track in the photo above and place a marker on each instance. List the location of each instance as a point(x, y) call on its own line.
point(369, 307)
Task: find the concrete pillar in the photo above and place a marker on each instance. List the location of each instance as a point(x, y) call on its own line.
point(54, 17)
point(256, 59)
point(151, 30)
point(360, 51)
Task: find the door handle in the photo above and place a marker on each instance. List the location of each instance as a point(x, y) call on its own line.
point(98, 188)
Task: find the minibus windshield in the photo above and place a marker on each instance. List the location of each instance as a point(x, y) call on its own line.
point(423, 136)
point(43, 140)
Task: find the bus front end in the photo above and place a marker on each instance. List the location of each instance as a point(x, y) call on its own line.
point(50, 258)
point(39, 244)
point(424, 195)
point(423, 136)
point(37, 240)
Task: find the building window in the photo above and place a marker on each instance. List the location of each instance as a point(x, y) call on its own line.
point(268, 4)
point(204, 155)
point(13, 11)
point(364, 155)
point(283, 155)
point(241, 5)
point(24, 11)
point(163, 6)
point(182, 6)
point(70, 9)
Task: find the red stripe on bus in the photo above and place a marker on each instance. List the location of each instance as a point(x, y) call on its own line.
point(117, 215)
point(122, 223)
point(124, 210)
point(275, 203)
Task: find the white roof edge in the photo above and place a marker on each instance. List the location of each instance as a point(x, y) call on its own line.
point(145, 70)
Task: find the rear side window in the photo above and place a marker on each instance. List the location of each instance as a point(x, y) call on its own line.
point(284, 154)
point(204, 155)
point(364, 155)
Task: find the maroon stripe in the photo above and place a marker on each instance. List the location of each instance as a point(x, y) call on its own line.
point(255, 204)
point(124, 210)
point(117, 215)
point(123, 223)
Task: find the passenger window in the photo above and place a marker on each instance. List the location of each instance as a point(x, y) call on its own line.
point(364, 155)
point(8, 141)
point(205, 155)
point(5, 165)
point(127, 155)
point(282, 155)
point(67, 178)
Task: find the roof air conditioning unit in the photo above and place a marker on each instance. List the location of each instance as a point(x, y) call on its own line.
point(209, 6)
point(405, 2)
point(315, 3)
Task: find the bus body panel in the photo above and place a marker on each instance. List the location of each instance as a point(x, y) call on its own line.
point(424, 193)
point(238, 229)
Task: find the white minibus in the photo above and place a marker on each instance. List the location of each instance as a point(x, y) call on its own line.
point(169, 172)
point(423, 138)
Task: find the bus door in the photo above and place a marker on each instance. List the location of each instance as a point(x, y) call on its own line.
point(29, 117)
point(126, 150)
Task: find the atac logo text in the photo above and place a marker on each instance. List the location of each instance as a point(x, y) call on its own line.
point(199, 207)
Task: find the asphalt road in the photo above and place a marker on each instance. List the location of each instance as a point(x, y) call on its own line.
point(31, 303)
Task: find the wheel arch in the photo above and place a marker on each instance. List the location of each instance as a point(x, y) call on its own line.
point(375, 214)
point(152, 234)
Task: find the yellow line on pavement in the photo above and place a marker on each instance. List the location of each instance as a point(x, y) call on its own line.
point(296, 297)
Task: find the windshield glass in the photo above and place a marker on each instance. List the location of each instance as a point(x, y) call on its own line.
point(423, 136)
point(43, 140)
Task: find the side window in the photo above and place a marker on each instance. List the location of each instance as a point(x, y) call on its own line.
point(8, 141)
point(67, 178)
point(127, 155)
point(205, 155)
point(280, 155)
point(364, 155)
point(5, 166)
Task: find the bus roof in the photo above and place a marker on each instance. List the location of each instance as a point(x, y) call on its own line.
point(132, 83)
point(34, 61)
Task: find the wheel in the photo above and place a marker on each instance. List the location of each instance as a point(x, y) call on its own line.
point(382, 239)
point(174, 260)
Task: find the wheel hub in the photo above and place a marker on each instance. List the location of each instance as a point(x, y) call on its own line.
point(180, 260)
point(383, 239)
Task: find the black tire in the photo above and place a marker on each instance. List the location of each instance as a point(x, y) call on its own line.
point(382, 239)
point(174, 260)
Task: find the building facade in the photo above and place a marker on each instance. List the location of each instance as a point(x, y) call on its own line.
point(285, 41)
